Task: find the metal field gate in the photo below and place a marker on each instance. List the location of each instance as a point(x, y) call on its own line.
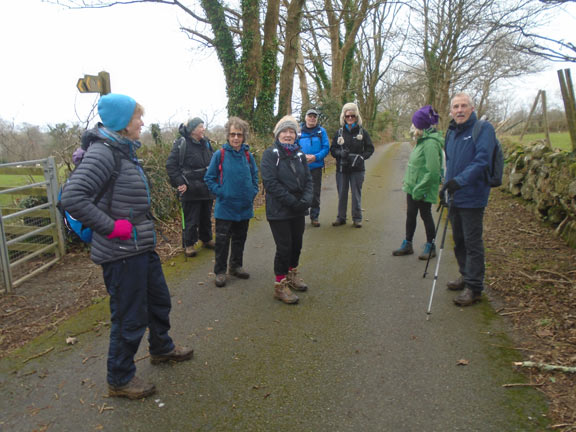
point(31, 233)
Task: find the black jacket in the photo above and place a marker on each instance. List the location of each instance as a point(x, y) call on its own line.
point(351, 155)
point(197, 157)
point(287, 182)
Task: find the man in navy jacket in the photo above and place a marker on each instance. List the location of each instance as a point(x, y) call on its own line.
point(468, 163)
point(315, 145)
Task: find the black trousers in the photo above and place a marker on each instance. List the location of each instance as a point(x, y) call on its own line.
point(467, 228)
point(197, 222)
point(139, 299)
point(230, 238)
point(425, 209)
point(316, 174)
point(288, 234)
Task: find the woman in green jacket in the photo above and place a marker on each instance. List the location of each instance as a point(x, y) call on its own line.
point(422, 180)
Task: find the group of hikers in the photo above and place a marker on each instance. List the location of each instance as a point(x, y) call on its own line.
point(291, 170)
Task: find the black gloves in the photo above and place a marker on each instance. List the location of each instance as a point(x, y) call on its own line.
point(451, 186)
point(302, 205)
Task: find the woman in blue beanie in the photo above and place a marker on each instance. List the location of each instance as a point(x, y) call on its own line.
point(123, 242)
point(422, 180)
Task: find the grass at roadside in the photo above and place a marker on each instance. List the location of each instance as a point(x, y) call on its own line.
point(559, 140)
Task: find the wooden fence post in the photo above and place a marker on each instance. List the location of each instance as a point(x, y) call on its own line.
point(567, 89)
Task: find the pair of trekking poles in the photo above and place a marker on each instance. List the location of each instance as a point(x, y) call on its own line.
point(441, 208)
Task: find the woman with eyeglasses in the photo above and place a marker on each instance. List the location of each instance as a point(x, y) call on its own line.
point(351, 146)
point(233, 178)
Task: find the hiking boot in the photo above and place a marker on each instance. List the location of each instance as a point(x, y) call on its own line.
point(456, 285)
point(239, 272)
point(295, 282)
point(405, 249)
point(315, 223)
point(135, 389)
point(339, 222)
point(209, 244)
point(282, 292)
point(190, 251)
point(178, 354)
point(467, 297)
point(429, 250)
point(357, 224)
point(220, 280)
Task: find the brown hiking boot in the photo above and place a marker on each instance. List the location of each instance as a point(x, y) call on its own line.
point(190, 251)
point(209, 244)
point(283, 293)
point(178, 354)
point(220, 280)
point(135, 389)
point(338, 222)
point(456, 285)
point(294, 282)
point(315, 223)
point(239, 272)
point(467, 297)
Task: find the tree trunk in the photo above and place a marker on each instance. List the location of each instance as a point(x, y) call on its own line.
point(291, 54)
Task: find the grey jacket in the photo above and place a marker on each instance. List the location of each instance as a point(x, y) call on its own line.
point(129, 198)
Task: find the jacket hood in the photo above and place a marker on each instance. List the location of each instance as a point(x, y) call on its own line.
point(243, 148)
point(102, 134)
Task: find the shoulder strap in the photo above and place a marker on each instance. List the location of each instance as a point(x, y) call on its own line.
point(222, 153)
point(109, 185)
point(476, 129)
point(181, 151)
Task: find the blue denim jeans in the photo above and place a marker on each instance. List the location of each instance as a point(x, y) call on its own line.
point(467, 227)
point(139, 298)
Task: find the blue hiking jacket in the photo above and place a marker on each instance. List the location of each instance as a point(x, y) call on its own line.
point(314, 141)
point(235, 194)
point(467, 162)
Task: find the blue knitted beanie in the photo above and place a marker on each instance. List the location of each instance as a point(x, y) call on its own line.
point(116, 110)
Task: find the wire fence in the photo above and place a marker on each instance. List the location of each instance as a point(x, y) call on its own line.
point(31, 232)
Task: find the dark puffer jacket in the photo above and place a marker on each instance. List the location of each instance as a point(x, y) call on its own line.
point(197, 157)
point(129, 198)
point(287, 181)
point(351, 155)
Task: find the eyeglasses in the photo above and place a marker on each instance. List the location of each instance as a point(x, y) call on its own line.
point(235, 134)
point(350, 116)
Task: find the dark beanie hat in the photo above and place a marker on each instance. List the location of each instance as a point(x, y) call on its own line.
point(425, 117)
point(193, 124)
point(116, 110)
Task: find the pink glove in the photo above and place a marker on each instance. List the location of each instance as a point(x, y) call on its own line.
point(122, 230)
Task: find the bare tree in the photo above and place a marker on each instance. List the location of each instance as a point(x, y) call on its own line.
point(456, 41)
point(246, 47)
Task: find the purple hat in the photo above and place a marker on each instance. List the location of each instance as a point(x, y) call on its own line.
point(425, 117)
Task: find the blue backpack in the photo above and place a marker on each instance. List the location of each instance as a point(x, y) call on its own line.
point(74, 226)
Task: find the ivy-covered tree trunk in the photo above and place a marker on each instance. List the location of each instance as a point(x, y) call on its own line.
point(291, 52)
point(264, 115)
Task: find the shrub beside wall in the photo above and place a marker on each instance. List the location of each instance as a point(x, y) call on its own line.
point(547, 178)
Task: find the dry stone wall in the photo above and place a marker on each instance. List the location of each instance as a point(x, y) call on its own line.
point(547, 179)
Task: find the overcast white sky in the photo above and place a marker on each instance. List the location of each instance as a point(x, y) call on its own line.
point(46, 48)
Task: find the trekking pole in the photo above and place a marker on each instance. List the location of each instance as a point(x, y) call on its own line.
point(441, 208)
point(428, 312)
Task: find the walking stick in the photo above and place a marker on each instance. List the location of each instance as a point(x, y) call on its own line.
point(428, 312)
point(441, 208)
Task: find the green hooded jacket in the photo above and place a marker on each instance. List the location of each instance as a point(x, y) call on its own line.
point(424, 171)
